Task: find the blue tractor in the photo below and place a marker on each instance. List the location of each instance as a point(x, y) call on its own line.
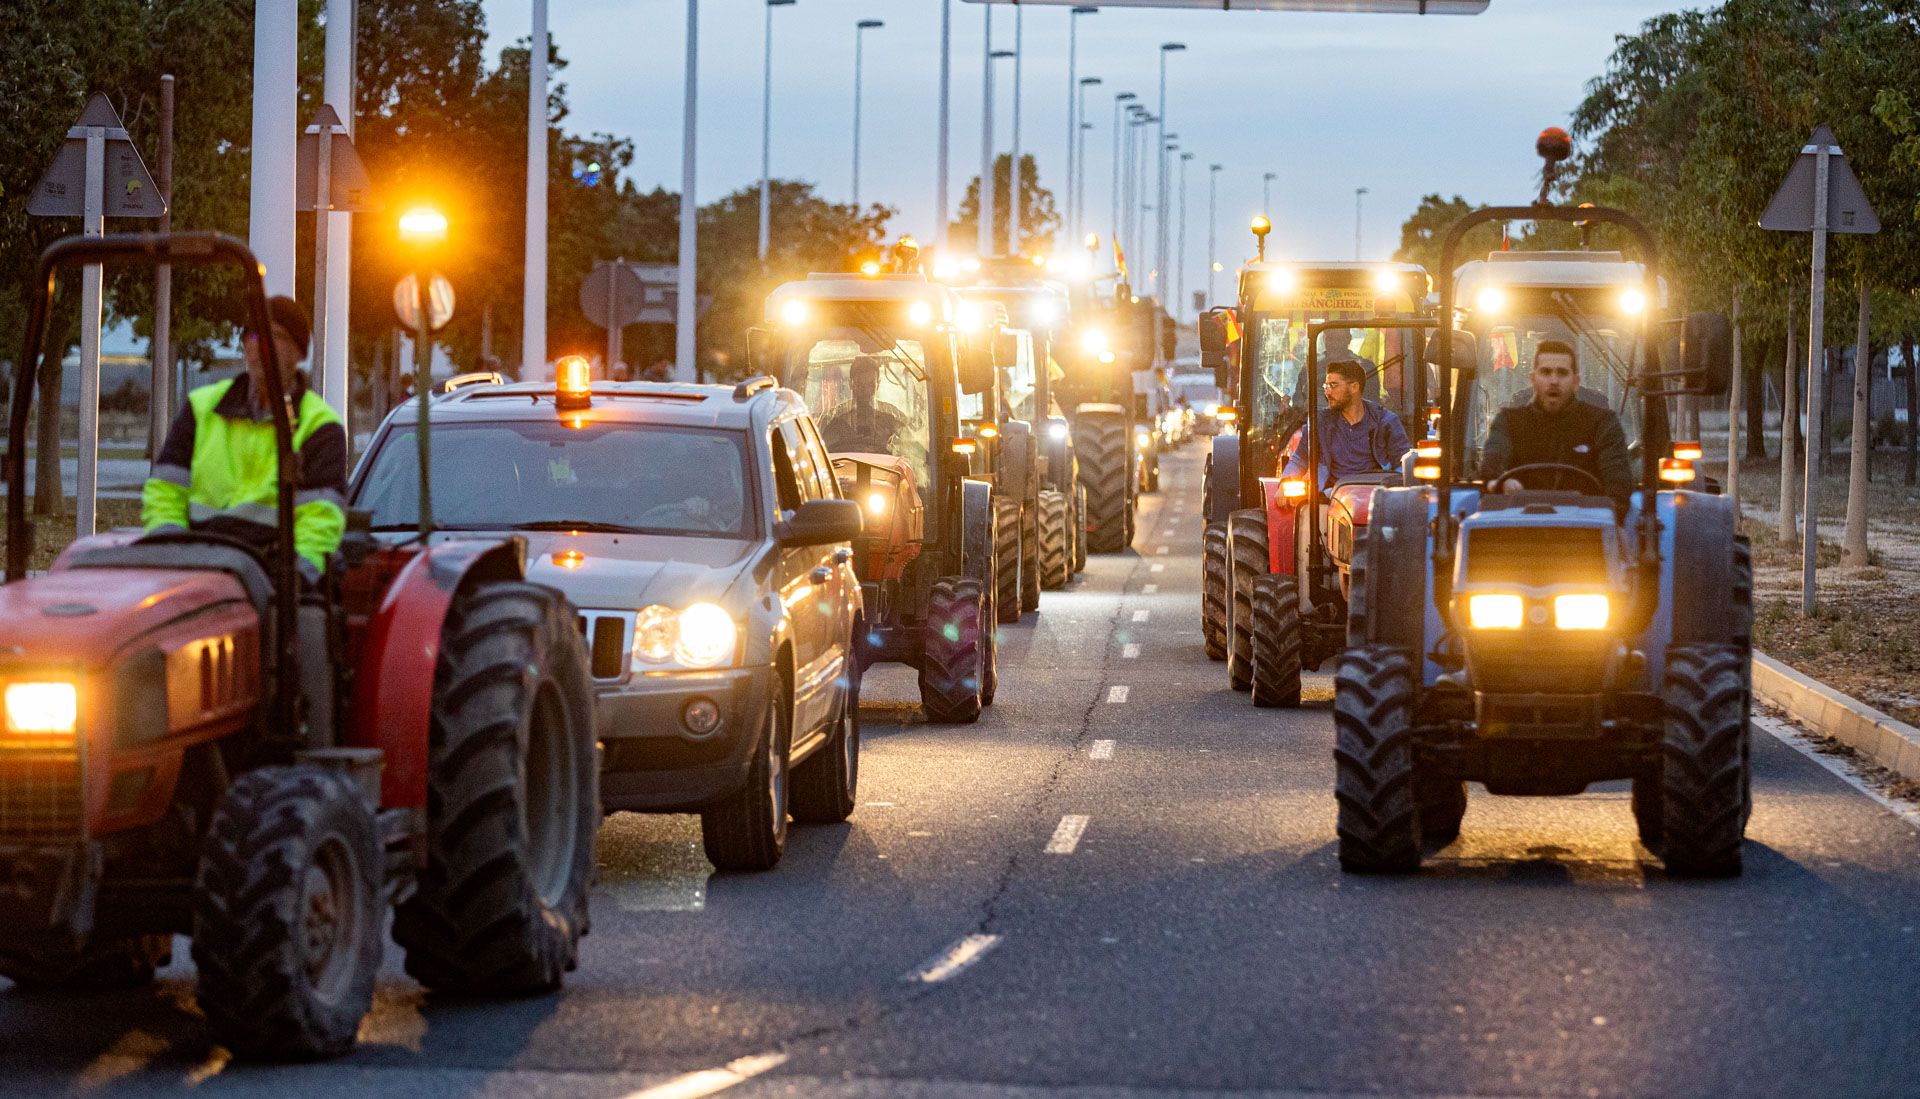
point(1532, 633)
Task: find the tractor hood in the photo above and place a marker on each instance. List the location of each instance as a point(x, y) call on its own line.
point(80, 618)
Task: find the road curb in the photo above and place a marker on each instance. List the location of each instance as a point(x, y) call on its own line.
point(1887, 741)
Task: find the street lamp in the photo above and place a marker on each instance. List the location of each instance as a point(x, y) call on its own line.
point(990, 175)
point(1076, 110)
point(1180, 251)
point(1160, 235)
point(1013, 168)
point(685, 317)
point(946, 73)
point(860, 30)
point(422, 230)
point(985, 205)
point(1358, 193)
point(1079, 197)
point(1213, 236)
point(1266, 194)
point(766, 135)
point(1119, 101)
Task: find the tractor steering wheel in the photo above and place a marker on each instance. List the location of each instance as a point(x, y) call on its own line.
point(1555, 473)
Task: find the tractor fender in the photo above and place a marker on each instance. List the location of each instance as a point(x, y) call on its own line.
point(1400, 570)
point(976, 531)
point(1281, 518)
point(1223, 478)
point(1062, 471)
point(1018, 461)
point(393, 694)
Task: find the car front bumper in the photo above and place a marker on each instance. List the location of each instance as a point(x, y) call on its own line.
point(654, 763)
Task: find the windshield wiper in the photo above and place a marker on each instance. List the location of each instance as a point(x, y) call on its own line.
point(578, 524)
point(1583, 325)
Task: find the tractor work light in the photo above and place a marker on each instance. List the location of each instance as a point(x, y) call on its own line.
point(1143, 438)
point(1108, 358)
point(876, 504)
point(988, 431)
point(1495, 611)
point(42, 709)
point(920, 314)
point(1226, 414)
point(969, 317)
point(701, 636)
point(1282, 281)
point(793, 311)
point(1093, 341)
point(1293, 489)
point(1040, 259)
point(965, 446)
point(1426, 470)
point(1058, 431)
point(1261, 226)
point(1386, 281)
point(1688, 452)
point(1676, 471)
point(1045, 312)
point(870, 268)
point(1581, 611)
point(572, 383)
point(1490, 299)
point(946, 268)
point(1427, 448)
point(1632, 301)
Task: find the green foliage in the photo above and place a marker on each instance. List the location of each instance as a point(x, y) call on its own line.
point(1038, 218)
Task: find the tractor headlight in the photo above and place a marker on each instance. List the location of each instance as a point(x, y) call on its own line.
point(1058, 431)
point(1093, 341)
point(701, 636)
point(1495, 611)
point(1491, 299)
point(42, 709)
point(793, 311)
point(1587, 611)
point(1143, 438)
point(876, 503)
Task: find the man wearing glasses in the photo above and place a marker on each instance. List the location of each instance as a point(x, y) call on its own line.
point(1356, 436)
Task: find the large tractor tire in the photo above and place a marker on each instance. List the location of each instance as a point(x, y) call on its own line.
point(1101, 441)
point(101, 965)
point(746, 831)
point(1213, 590)
point(1006, 557)
point(1374, 778)
point(953, 663)
point(1055, 540)
point(1276, 641)
point(1443, 805)
point(513, 803)
point(1706, 761)
point(1030, 557)
point(287, 920)
point(1079, 528)
point(1246, 561)
point(825, 785)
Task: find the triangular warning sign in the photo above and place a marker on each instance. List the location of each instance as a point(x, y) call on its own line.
point(1848, 211)
point(348, 187)
point(128, 190)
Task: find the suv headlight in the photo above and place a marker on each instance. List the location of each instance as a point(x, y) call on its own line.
point(42, 709)
point(700, 636)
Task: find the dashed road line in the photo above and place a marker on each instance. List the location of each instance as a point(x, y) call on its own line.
point(954, 959)
point(1117, 694)
point(1156, 567)
point(1140, 616)
point(1067, 836)
point(1102, 749)
point(1162, 551)
point(1149, 589)
point(712, 1081)
point(1130, 651)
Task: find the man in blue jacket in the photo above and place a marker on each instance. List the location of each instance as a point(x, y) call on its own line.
point(1356, 436)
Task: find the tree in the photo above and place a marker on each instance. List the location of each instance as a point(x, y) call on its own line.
point(1038, 218)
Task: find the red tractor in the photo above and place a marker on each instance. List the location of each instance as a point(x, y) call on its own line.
point(163, 772)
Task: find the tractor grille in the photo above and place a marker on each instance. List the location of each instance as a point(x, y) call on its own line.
point(607, 643)
point(40, 798)
point(1536, 557)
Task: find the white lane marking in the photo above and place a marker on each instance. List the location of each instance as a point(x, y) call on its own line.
point(1067, 836)
point(1102, 749)
point(954, 959)
point(1162, 551)
point(1139, 616)
point(1787, 734)
point(1156, 567)
point(696, 1085)
point(1130, 651)
point(1117, 694)
point(1149, 589)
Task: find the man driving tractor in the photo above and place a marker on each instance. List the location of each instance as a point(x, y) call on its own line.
point(1357, 436)
point(1558, 428)
point(863, 424)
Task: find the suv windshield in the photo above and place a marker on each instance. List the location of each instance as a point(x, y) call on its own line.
point(545, 475)
point(870, 392)
point(1605, 343)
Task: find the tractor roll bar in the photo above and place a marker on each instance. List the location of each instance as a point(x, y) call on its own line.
point(153, 249)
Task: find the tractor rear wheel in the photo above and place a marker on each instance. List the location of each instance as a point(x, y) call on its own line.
point(1056, 546)
point(1079, 528)
point(1006, 556)
point(1101, 442)
point(1246, 560)
point(1213, 590)
point(953, 660)
point(513, 804)
point(102, 965)
point(287, 921)
point(1276, 641)
point(1705, 761)
point(1030, 557)
point(1375, 781)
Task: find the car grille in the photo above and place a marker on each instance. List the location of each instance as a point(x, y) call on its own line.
point(606, 634)
point(40, 798)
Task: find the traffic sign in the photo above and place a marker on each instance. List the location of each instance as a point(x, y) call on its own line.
point(1848, 211)
point(406, 298)
point(348, 187)
point(129, 190)
point(613, 293)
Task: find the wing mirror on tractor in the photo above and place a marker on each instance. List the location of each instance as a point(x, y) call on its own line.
point(1213, 344)
point(819, 522)
point(759, 351)
point(1466, 350)
point(976, 369)
point(1706, 354)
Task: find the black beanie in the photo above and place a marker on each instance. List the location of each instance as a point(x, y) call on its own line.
point(292, 316)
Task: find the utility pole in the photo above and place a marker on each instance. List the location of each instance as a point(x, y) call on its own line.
point(331, 354)
point(686, 310)
point(1113, 225)
point(1213, 226)
point(276, 83)
point(985, 206)
point(1080, 159)
point(160, 399)
point(1358, 194)
point(1013, 169)
point(946, 83)
point(1160, 193)
point(860, 30)
point(1266, 195)
point(1180, 251)
point(1076, 109)
point(766, 133)
point(533, 306)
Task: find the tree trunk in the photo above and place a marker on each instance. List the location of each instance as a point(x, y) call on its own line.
point(1913, 410)
point(1757, 406)
point(1789, 527)
point(1853, 550)
point(1735, 393)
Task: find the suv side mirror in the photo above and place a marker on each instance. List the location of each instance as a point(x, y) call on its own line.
point(819, 522)
point(1706, 354)
point(759, 350)
point(1466, 349)
point(976, 369)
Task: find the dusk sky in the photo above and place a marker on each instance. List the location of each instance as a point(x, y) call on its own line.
point(1401, 105)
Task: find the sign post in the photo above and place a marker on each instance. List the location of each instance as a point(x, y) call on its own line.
point(330, 178)
point(1820, 195)
point(97, 174)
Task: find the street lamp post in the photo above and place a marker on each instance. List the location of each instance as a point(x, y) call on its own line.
point(1213, 236)
point(990, 177)
point(766, 135)
point(533, 305)
point(685, 311)
point(423, 230)
point(860, 30)
point(1076, 110)
point(1160, 192)
point(1163, 273)
point(1120, 100)
point(985, 205)
point(946, 73)
point(1180, 250)
point(1013, 168)
point(1080, 158)
point(1358, 193)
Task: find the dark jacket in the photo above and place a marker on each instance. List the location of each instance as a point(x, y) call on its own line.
point(1581, 435)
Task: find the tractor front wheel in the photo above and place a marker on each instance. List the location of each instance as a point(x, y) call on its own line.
point(1247, 560)
point(1276, 641)
point(1006, 556)
point(1056, 546)
point(1101, 442)
point(953, 659)
point(1213, 590)
point(1375, 783)
point(1705, 761)
point(513, 805)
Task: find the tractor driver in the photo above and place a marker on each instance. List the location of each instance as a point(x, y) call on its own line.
point(863, 424)
point(216, 473)
point(1558, 428)
point(1356, 436)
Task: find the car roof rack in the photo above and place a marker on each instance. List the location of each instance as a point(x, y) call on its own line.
point(461, 381)
point(748, 388)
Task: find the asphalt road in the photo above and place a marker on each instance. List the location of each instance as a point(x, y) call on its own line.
point(1122, 882)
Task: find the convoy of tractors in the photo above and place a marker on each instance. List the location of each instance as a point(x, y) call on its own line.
point(595, 612)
